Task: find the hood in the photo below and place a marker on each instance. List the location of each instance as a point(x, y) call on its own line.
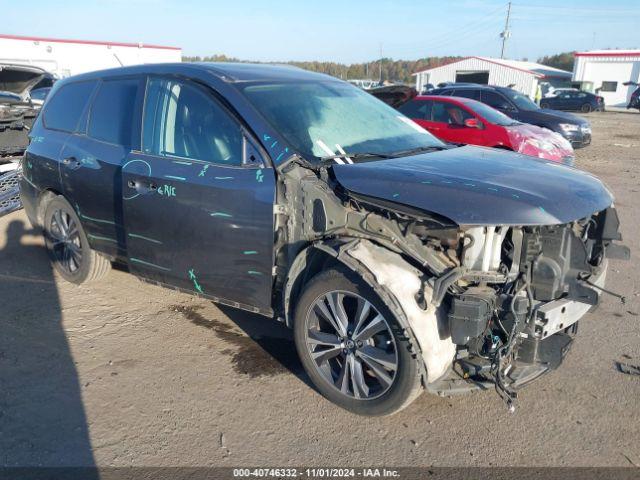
point(480, 186)
point(394, 95)
point(18, 79)
point(547, 115)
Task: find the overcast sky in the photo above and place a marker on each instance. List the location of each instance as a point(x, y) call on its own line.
point(335, 30)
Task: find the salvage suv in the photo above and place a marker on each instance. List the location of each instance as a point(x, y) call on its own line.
point(400, 262)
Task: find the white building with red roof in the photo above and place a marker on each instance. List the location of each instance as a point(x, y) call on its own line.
point(520, 75)
point(64, 57)
point(606, 71)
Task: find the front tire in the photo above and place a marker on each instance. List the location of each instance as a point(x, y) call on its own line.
point(544, 105)
point(352, 346)
point(68, 247)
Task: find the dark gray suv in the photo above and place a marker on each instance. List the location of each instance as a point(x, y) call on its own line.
point(400, 262)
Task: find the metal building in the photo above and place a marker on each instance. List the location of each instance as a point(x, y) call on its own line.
point(605, 71)
point(70, 57)
point(520, 75)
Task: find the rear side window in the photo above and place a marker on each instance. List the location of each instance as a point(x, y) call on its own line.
point(182, 120)
point(64, 110)
point(112, 111)
point(467, 93)
point(494, 100)
point(418, 109)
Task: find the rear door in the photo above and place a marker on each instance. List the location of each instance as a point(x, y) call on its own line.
point(198, 198)
point(92, 160)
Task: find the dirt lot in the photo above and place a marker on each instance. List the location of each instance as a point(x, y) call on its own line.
point(125, 373)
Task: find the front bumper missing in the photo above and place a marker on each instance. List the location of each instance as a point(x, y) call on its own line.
point(556, 322)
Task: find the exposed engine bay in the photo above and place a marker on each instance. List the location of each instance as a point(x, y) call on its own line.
point(486, 305)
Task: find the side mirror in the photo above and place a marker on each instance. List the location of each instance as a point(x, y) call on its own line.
point(472, 123)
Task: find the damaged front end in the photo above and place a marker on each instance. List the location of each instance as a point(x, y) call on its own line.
point(514, 310)
point(484, 306)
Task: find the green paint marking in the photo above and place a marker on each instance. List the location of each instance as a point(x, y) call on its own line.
point(167, 190)
point(203, 171)
point(253, 272)
point(470, 184)
point(175, 178)
point(142, 237)
point(427, 182)
point(492, 189)
point(87, 217)
point(259, 175)
point(223, 178)
point(250, 252)
point(274, 144)
point(194, 279)
point(98, 237)
point(220, 214)
point(395, 195)
point(515, 196)
point(142, 262)
point(542, 210)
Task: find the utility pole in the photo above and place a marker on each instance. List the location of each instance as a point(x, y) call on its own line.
point(380, 81)
point(506, 33)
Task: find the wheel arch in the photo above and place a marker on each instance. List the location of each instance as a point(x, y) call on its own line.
point(323, 254)
point(45, 196)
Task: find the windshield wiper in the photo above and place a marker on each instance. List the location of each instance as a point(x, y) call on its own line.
point(356, 156)
point(412, 151)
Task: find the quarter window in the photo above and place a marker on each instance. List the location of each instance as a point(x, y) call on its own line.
point(112, 111)
point(183, 120)
point(64, 109)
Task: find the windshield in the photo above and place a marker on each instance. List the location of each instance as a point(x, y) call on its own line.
point(522, 101)
point(321, 119)
point(492, 115)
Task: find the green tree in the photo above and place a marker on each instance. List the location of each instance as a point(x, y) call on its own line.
point(563, 61)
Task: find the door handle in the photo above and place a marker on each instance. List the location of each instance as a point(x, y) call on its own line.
point(71, 162)
point(142, 187)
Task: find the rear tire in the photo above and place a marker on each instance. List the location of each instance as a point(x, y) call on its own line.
point(586, 108)
point(68, 246)
point(350, 375)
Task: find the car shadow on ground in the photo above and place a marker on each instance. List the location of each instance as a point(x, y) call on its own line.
point(42, 417)
point(259, 347)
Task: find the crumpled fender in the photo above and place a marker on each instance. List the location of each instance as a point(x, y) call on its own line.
point(430, 326)
point(396, 282)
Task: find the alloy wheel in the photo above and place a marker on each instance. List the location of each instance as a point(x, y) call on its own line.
point(351, 345)
point(65, 241)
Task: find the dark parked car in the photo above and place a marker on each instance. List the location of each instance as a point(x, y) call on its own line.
point(574, 100)
point(400, 262)
point(520, 107)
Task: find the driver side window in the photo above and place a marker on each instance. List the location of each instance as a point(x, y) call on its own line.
point(182, 120)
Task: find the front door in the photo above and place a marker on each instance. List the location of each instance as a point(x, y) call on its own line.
point(448, 124)
point(198, 198)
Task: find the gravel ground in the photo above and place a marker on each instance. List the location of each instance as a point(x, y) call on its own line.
point(124, 373)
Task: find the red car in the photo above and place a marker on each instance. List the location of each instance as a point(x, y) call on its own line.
point(462, 120)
